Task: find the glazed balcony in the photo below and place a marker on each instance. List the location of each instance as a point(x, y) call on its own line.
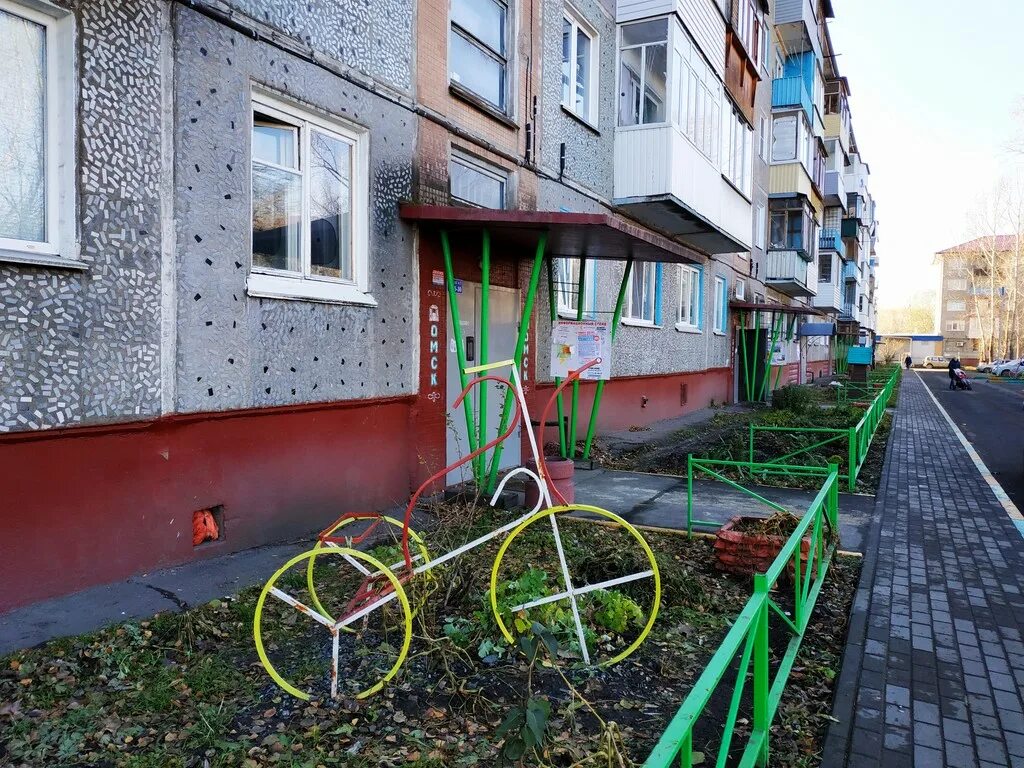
point(835, 188)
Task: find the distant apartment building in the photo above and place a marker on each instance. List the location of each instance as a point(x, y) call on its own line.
point(976, 313)
point(248, 249)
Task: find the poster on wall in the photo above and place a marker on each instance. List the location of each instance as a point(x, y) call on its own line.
point(574, 343)
point(779, 353)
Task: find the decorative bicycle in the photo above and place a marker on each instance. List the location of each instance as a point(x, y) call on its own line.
point(374, 587)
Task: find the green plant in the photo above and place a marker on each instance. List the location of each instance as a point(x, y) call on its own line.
point(616, 611)
point(795, 398)
point(525, 726)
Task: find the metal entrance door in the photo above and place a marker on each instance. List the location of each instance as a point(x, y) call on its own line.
point(503, 331)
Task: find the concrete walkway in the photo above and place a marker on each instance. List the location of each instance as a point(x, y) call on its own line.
point(934, 663)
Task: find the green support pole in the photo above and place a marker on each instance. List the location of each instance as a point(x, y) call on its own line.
point(761, 724)
point(460, 350)
point(743, 353)
point(616, 319)
point(776, 330)
point(558, 379)
point(751, 442)
point(576, 384)
point(524, 332)
point(753, 359)
point(482, 357)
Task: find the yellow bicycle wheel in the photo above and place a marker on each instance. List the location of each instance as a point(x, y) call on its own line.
point(572, 591)
point(417, 541)
point(271, 588)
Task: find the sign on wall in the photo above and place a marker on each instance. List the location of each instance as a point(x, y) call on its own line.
point(575, 343)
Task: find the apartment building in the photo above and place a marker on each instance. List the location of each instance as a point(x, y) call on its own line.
point(262, 241)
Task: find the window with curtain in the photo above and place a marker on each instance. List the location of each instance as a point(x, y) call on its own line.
point(689, 310)
point(642, 293)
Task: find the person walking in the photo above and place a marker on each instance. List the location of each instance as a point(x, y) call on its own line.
point(908, 362)
point(953, 365)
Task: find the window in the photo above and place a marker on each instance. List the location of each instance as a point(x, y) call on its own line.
point(579, 67)
point(309, 202)
point(721, 304)
point(956, 305)
point(759, 225)
point(567, 282)
point(643, 295)
point(790, 226)
point(824, 267)
point(955, 325)
point(958, 284)
point(699, 99)
point(741, 290)
point(643, 72)
point(36, 155)
point(478, 49)
point(784, 130)
point(764, 137)
point(737, 139)
point(474, 182)
point(690, 283)
point(818, 174)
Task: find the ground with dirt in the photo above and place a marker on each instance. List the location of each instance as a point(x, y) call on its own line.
point(727, 437)
point(188, 689)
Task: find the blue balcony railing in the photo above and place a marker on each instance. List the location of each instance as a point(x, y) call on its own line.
point(832, 240)
point(850, 271)
point(792, 92)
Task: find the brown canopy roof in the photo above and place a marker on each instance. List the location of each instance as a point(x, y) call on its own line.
point(570, 235)
point(784, 309)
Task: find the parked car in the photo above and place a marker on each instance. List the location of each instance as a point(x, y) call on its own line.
point(987, 367)
point(1008, 368)
point(935, 361)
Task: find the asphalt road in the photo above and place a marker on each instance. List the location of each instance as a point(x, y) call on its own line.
point(992, 418)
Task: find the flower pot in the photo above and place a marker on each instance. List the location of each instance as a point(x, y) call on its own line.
point(745, 553)
point(560, 476)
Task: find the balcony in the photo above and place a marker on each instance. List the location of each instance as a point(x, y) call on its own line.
point(835, 188)
point(789, 272)
point(848, 312)
point(850, 228)
point(663, 181)
point(851, 271)
point(797, 24)
point(832, 240)
point(829, 296)
point(791, 92)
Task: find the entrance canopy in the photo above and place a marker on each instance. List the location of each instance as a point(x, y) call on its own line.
point(782, 309)
point(569, 235)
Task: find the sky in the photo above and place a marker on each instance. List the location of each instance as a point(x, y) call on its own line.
point(934, 86)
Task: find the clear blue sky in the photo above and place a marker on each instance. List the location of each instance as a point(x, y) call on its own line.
point(934, 87)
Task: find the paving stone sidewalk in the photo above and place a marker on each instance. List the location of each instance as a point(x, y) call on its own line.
point(934, 665)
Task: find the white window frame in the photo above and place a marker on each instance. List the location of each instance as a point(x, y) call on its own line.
point(955, 326)
point(691, 321)
point(667, 105)
point(737, 147)
point(721, 305)
point(281, 284)
point(60, 247)
point(579, 24)
point(563, 288)
point(504, 58)
point(629, 317)
point(789, 156)
point(956, 305)
point(466, 160)
point(760, 225)
point(764, 138)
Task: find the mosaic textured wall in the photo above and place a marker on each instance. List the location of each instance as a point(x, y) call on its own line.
point(589, 151)
point(373, 36)
point(85, 346)
point(235, 351)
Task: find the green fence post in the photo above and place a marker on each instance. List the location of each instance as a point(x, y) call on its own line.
point(852, 459)
point(689, 495)
point(761, 723)
point(832, 502)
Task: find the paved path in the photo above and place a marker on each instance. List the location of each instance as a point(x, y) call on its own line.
point(934, 664)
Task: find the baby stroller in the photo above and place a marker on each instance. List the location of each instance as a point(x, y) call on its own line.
point(961, 381)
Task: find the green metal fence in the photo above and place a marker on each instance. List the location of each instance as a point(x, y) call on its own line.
point(858, 438)
point(749, 638)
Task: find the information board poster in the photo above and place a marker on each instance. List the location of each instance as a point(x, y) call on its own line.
point(574, 343)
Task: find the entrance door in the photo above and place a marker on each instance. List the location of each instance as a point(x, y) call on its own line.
point(754, 340)
point(503, 332)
